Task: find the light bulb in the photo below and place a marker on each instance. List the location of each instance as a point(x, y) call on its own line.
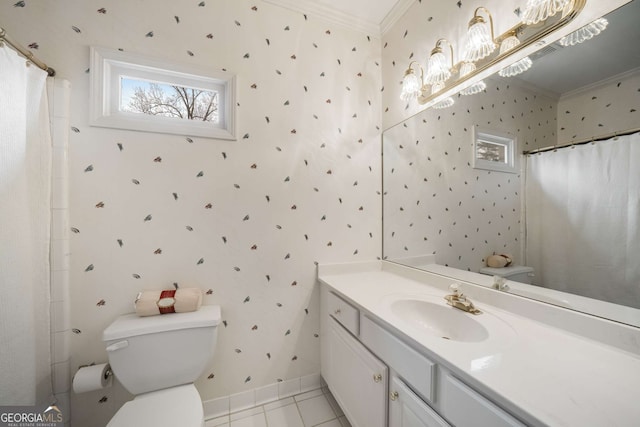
point(585, 33)
point(437, 69)
point(411, 86)
point(518, 67)
point(539, 10)
point(445, 103)
point(467, 68)
point(480, 44)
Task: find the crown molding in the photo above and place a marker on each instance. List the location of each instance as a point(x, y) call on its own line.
point(394, 15)
point(309, 7)
point(320, 11)
point(596, 85)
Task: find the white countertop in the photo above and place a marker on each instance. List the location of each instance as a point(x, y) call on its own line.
point(542, 374)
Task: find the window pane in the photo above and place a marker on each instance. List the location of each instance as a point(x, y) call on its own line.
point(491, 151)
point(166, 100)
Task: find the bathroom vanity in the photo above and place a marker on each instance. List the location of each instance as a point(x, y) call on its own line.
point(395, 354)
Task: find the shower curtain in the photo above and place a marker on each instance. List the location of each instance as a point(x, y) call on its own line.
point(583, 219)
point(25, 189)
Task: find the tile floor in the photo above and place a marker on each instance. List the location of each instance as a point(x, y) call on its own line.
point(316, 408)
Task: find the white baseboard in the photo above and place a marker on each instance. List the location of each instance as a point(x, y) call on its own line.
point(226, 405)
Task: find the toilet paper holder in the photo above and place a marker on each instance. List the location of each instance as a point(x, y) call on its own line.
point(107, 373)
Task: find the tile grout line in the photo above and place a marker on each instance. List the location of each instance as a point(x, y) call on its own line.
point(262, 409)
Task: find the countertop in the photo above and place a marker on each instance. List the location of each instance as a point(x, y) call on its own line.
point(544, 375)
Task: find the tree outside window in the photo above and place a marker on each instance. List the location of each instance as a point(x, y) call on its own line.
point(166, 100)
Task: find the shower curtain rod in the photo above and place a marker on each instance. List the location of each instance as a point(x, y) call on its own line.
point(582, 142)
point(26, 53)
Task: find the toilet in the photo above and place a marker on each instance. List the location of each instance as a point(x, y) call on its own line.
point(157, 359)
point(516, 273)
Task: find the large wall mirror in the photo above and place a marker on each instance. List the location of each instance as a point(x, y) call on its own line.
point(570, 214)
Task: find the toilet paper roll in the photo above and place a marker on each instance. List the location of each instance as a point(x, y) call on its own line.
point(91, 378)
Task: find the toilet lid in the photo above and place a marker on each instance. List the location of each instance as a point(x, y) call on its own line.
point(171, 407)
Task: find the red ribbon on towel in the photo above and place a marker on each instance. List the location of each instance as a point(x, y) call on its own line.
point(165, 309)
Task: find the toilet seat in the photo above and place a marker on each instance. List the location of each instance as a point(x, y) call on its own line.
point(175, 406)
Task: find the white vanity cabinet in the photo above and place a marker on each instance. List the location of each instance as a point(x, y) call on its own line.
point(357, 379)
point(379, 380)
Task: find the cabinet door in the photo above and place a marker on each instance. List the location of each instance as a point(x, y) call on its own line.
point(406, 409)
point(463, 407)
point(358, 379)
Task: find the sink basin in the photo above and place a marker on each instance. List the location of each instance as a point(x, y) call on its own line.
point(440, 320)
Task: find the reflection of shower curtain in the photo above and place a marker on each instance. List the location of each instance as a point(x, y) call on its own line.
point(583, 219)
point(25, 181)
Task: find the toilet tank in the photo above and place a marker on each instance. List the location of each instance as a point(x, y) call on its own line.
point(157, 352)
point(517, 273)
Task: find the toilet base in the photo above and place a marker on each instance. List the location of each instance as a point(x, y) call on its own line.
point(170, 407)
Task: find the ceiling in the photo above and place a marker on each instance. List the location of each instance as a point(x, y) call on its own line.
point(369, 16)
point(561, 70)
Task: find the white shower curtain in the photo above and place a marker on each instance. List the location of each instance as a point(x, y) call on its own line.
point(25, 189)
point(583, 219)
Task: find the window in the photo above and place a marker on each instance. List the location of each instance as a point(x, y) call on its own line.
point(493, 150)
point(129, 91)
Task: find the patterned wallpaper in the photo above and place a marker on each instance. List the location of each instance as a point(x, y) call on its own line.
point(435, 202)
point(246, 221)
point(600, 109)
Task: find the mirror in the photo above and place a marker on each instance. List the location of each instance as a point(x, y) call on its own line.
point(440, 211)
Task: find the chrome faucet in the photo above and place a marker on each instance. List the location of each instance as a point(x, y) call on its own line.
point(458, 300)
point(499, 283)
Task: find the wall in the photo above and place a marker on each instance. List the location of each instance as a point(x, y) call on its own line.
point(301, 186)
point(599, 109)
point(435, 202)
point(58, 93)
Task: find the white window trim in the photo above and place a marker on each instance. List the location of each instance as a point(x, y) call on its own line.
point(108, 66)
point(496, 137)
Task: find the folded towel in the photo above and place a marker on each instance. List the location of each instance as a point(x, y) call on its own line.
point(499, 261)
point(151, 303)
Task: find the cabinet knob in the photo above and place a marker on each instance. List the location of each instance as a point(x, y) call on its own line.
point(377, 378)
point(337, 312)
point(394, 395)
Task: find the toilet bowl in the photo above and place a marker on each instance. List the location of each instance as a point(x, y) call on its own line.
point(157, 358)
point(175, 406)
point(516, 273)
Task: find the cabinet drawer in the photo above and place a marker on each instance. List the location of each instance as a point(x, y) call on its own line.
point(462, 406)
point(417, 370)
point(347, 315)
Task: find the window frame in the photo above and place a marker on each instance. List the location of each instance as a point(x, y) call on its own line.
point(108, 66)
point(493, 136)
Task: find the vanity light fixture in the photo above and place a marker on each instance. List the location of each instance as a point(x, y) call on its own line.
point(480, 37)
point(466, 68)
point(538, 10)
point(445, 103)
point(411, 83)
point(518, 67)
point(480, 51)
point(585, 33)
point(438, 70)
